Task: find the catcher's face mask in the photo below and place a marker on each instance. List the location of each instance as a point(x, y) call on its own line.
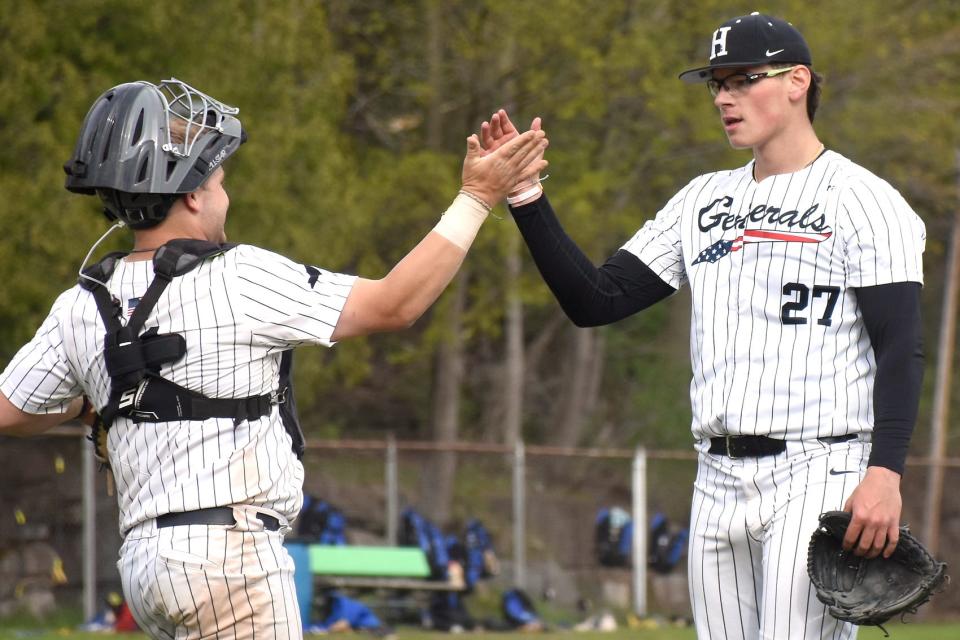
point(141, 145)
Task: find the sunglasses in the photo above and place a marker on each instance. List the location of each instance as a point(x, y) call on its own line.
point(737, 84)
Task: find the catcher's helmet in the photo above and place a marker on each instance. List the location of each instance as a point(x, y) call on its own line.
point(127, 154)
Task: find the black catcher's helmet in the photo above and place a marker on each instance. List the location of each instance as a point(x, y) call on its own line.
point(142, 145)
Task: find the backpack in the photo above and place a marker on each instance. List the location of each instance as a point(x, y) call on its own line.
point(480, 560)
point(417, 531)
point(613, 537)
point(667, 546)
point(321, 522)
point(517, 608)
point(339, 608)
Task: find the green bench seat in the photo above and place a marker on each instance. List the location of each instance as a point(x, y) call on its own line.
point(381, 562)
point(394, 570)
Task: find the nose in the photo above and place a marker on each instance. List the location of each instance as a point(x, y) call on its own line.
point(722, 98)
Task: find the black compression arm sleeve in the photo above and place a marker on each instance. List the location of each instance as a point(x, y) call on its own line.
point(590, 296)
point(891, 313)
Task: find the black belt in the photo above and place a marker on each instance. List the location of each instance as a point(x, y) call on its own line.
point(756, 446)
point(216, 515)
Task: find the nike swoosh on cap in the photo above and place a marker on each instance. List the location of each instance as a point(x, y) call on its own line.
point(773, 53)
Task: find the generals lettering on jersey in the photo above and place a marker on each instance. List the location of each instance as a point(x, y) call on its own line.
point(720, 213)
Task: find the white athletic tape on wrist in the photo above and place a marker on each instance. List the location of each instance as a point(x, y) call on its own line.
point(461, 221)
point(532, 183)
point(535, 190)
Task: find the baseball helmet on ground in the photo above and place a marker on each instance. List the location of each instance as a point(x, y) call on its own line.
point(142, 145)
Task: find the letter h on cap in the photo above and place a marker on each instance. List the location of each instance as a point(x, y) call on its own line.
point(719, 47)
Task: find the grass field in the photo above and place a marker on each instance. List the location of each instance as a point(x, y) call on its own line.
point(898, 631)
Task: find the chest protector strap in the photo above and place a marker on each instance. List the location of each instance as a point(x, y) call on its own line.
point(133, 359)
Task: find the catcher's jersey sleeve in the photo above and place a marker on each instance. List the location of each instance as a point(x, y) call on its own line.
point(286, 303)
point(40, 378)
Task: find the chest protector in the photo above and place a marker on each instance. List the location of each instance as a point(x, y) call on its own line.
point(133, 358)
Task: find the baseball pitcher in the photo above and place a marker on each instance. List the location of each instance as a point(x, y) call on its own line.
point(805, 273)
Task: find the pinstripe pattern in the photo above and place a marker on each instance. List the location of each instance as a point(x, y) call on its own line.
point(778, 348)
point(752, 519)
point(192, 582)
point(237, 312)
point(751, 371)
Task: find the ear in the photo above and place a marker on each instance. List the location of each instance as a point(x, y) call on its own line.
point(799, 83)
point(191, 201)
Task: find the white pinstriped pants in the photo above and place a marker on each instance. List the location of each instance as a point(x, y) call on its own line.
point(211, 581)
point(751, 522)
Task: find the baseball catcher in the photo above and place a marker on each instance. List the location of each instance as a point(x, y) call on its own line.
point(870, 591)
point(181, 346)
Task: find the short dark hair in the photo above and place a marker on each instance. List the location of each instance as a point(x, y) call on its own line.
point(813, 93)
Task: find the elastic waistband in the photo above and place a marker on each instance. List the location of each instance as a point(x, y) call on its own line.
point(215, 515)
point(758, 446)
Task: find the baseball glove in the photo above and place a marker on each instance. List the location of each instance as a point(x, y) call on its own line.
point(870, 592)
point(98, 433)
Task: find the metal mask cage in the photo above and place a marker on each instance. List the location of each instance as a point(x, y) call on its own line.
point(196, 109)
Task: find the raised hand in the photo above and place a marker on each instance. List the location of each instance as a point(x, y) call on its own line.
point(492, 174)
point(500, 130)
point(497, 132)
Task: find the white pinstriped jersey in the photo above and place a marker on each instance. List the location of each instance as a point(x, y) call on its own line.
point(238, 312)
point(778, 345)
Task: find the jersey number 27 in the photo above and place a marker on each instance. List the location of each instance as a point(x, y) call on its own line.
point(799, 294)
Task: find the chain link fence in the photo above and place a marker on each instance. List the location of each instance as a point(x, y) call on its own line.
point(540, 507)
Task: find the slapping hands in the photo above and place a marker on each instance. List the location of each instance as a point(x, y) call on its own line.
point(499, 131)
point(491, 173)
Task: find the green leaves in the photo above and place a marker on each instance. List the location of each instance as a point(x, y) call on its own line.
point(357, 121)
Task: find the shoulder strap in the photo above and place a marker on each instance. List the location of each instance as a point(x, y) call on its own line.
point(98, 273)
point(173, 259)
point(164, 262)
point(288, 404)
point(94, 279)
point(127, 354)
point(187, 254)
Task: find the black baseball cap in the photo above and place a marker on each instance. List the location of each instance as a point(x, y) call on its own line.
point(751, 40)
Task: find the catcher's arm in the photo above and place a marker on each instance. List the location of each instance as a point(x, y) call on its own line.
point(398, 299)
point(14, 422)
